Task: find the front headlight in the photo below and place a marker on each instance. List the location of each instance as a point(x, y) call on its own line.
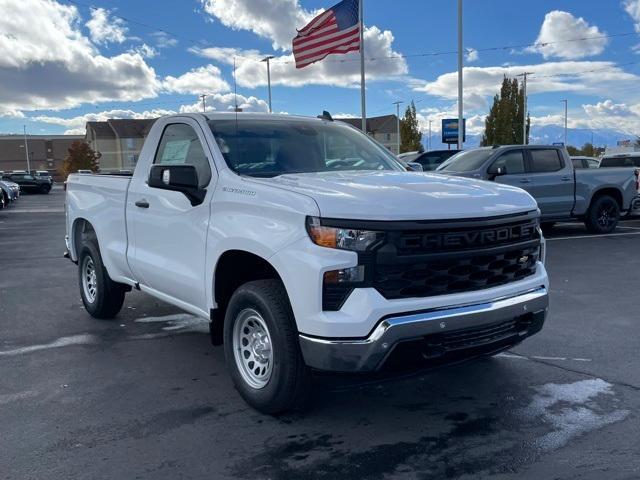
point(343, 238)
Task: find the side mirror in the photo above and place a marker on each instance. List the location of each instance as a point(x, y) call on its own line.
point(414, 167)
point(178, 178)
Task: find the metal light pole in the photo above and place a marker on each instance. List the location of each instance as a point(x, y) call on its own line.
point(429, 141)
point(397, 104)
point(565, 120)
point(204, 105)
point(267, 60)
point(363, 100)
point(460, 67)
point(524, 104)
point(26, 148)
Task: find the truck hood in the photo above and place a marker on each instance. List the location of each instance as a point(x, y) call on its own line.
point(405, 195)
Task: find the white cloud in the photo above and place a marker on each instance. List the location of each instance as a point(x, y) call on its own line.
point(144, 51)
point(226, 102)
point(47, 63)
point(632, 7)
point(75, 125)
point(106, 29)
point(558, 28)
point(471, 55)
point(11, 113)
point(275, 20)
point(199, 80)
point(586, 77)
point(341, 71)
point(608, 107)
point(164, 40)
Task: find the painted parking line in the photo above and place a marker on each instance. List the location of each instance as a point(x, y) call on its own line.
point(515, 356)
point(578, 237)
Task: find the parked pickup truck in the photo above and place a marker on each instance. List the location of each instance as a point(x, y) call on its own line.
point(309, 247)
point(595, 196)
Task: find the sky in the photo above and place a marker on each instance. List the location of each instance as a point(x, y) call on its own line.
point(63, 63)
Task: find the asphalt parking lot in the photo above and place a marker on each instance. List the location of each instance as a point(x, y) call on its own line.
point(147, 397)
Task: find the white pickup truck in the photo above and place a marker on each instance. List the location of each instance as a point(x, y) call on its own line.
point(309, 247)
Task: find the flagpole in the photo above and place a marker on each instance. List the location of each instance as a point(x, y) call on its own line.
point(362, 80)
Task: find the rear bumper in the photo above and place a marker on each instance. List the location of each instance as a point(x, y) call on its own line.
point(437, 332)
point(635, 203)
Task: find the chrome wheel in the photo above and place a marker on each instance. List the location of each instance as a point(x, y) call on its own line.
point(252, 348)
point(607, 216)
point(89, 280)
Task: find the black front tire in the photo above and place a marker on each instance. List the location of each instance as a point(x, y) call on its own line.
point(45, 189)
point(108, 296)
point(603, 215)
point(547, 227)
point(287, 385)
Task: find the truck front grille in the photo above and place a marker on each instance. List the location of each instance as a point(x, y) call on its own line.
point(460, 273)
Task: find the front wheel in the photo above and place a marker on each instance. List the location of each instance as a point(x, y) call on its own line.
point(101, 296)
point(603, 215)
point(45, 189)
point(262, 350)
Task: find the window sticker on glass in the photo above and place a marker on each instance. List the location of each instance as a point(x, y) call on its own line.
point(175, 151)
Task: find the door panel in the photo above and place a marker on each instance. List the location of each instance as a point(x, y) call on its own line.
point(552, 182)
point(514, 163)
point(170, 234)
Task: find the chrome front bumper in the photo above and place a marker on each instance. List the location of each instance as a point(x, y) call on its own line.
point(370, 353)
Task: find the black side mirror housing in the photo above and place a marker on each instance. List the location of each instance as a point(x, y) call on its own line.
point(498, 172)
point(178, 178)
point(414, 167)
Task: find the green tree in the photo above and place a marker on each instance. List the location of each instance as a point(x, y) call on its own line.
point(573, 151)
point(80, 156)
point(410, 135)
point(504, 124)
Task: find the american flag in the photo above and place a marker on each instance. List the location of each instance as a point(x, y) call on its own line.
point(336, 30)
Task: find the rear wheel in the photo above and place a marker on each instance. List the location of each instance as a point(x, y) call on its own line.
point(101, 296)
point(262, 350)
point(603, 215)
point(45, 189)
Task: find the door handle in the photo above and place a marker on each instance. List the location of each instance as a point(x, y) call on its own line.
point(142, 204)
point(566, 179)
point(525, 180)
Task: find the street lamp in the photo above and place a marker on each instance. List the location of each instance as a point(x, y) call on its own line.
point(397, 104)
point(267, 59)
point(565, 120)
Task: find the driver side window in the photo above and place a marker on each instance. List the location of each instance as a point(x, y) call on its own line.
point(512, 162)
point(180, 145)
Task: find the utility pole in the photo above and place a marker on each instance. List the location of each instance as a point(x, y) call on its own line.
point(565, 120)
point(397, 104)
point(429, 141)
point(266, 60)
point(363, 100)
point(204, 105)
point(524, 105)
point(460, 91)
point(26, 148)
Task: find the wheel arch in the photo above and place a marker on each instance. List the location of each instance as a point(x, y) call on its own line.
point(82, 228)
point(234, 268)
point(613, 192)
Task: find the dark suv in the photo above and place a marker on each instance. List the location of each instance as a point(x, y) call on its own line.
point(29, 183)
point(430, 160)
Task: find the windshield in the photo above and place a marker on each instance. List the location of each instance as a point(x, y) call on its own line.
point(268, 148)
point(466, 161)
point(620, 162)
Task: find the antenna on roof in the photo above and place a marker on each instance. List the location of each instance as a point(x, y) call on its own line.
point(326, 116)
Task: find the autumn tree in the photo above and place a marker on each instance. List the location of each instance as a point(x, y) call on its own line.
point(410, 135)
point(80, 156)
point(504, 124)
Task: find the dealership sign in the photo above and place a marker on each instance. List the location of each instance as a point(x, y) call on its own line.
point(450, 130)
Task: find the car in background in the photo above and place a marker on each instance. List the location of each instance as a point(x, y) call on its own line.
point(29, 183)
point(593, 195)
point(584, 162)
point(630, 160)
point(430, 160)
point(85, 171)
point(408, 154)
point(9, 191)
point(44, 175)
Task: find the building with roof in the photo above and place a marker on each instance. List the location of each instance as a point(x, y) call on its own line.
point(46, 152)
point(118, 141)
point(384, 129)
